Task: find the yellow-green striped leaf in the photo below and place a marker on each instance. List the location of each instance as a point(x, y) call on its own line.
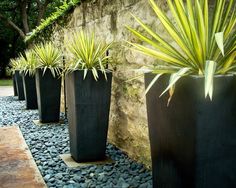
point(220, 41)
point(209, 77)
point(152, 83)
point(175, 77)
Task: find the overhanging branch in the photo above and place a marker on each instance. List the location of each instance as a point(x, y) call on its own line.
point(12, 25)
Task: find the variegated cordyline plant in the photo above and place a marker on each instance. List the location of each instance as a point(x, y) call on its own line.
point(28, 62)
point(87, 53)
point(49, 57)
point(205, 42)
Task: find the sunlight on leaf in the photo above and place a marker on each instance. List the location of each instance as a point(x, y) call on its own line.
point(220, 41)
point(209, 77)
point(152, 83)
point(88, 54)
point(197, 39)
point(174, 78)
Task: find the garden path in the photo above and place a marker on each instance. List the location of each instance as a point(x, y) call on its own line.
point(6, 90)
point(17, 166)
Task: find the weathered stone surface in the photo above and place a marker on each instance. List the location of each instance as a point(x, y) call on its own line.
point(108, 18)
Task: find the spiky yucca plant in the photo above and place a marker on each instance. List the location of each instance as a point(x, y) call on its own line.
point(28, 62)
point(16, 64)
point(49, 57)
point(88, 53)
point(206, 44)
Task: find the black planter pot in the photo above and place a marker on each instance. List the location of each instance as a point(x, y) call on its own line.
point(14, 85)
point(88, 115)
point(19, 86)
point(193, 140)
point(48, 95)
point(30, 91)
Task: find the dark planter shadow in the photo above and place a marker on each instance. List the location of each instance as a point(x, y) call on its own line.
point(14, 85)
point(30, 91)
point(48, 95)
point(193, 140)
point(88, 115)
point(19, 86)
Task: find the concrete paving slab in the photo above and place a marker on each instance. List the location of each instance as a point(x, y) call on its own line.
point(6, 91)
point(71, 163)
point(17, 166)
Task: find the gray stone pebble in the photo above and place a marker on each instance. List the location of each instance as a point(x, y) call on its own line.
point(49, 141)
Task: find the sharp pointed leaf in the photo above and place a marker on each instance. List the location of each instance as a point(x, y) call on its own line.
point(209, 76)
point(171, 93)
point(220, 41)
point(152, 83)
point(175, 77)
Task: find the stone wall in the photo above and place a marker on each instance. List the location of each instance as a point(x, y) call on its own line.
point(128, 120)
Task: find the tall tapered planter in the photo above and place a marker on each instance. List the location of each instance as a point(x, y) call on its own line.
point(30, 91)
point(19, 86)
point(193, 139)
point(88, 114)
point(48, 96)
point(14, 85)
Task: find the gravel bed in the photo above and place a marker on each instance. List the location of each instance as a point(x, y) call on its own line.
point(48, 142)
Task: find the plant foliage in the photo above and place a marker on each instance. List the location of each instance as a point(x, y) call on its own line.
point(28, 62)
point(15, 64)
point(87, 54)
point(206, 44)
point(61, 11)
point(49, 57)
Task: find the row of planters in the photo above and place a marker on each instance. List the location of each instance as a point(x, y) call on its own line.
point(38, 74)
point(192, 132)
point(38, 81)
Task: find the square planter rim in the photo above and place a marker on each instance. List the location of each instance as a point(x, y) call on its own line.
point(89, 70)
point(47, 69)
point(197, 76)
point(79, 71)
point(30, 75)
